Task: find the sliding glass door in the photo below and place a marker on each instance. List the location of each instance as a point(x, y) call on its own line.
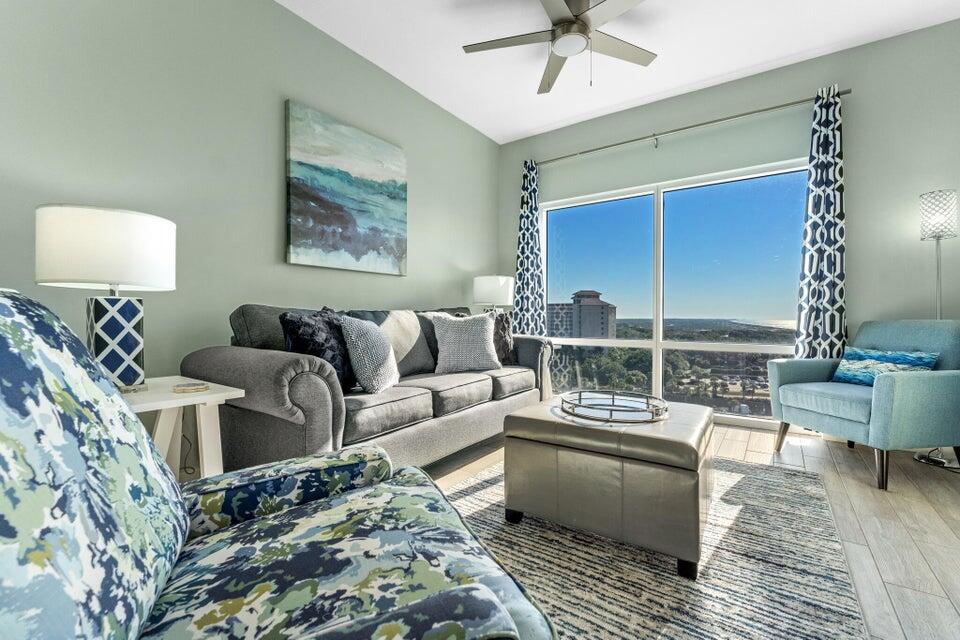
point(682, 289)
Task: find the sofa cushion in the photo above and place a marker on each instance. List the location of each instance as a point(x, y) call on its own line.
point(470, 612)
point(298, 573)
point(508, 381)
point(372, 414)
point(258, 325)
point(452, 391)
point(406, 336)
point(91, 518)
point(837, 399)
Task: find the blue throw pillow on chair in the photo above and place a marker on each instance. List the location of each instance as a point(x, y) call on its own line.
point(862, 366)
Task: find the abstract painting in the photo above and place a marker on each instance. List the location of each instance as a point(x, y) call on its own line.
point(346, 196)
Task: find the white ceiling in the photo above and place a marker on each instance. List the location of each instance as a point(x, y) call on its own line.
point(700, 43)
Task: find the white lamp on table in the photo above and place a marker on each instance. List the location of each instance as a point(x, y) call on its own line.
point(92, 248)
point(492, 292)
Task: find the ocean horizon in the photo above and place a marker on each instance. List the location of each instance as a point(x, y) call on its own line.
point(776, 324)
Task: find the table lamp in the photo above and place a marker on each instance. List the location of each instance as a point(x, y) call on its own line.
point(92, 248)
point(491, 292)
point(939, 219)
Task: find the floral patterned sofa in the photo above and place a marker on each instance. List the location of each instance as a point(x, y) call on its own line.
point(97, 539)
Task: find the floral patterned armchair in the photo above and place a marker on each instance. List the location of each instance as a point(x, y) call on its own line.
point(97, 539)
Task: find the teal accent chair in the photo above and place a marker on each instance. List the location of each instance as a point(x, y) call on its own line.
point(903, 410)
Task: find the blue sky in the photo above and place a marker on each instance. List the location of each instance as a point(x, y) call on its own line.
point(731, 250)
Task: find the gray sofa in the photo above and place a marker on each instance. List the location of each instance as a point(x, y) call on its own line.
point(294, 405)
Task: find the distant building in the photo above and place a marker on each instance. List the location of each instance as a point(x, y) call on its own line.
point(586, 317)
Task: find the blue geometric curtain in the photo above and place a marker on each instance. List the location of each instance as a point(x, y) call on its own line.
point(529, 300)
point(821, 319)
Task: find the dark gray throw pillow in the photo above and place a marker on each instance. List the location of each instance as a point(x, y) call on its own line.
point(503, 336)
point(319, 334)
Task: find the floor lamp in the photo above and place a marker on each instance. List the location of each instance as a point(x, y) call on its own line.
point(939, 220)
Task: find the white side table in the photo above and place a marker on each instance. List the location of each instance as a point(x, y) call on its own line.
point(159, 396)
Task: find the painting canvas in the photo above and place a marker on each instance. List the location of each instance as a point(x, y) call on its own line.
point(346, 196)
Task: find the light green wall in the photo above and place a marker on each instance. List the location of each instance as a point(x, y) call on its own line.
point(176, 108)
point(901, 132)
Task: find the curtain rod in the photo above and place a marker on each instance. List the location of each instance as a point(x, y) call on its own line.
point(708, 123)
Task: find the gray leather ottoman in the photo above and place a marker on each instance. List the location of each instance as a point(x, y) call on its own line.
point(646, 484)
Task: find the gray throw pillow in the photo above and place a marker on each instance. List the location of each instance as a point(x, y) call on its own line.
point(371, 355)
point(405, 333)
point(465, 344)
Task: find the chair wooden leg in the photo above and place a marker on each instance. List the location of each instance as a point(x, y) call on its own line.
point(883, 468)
point(781, 436)
point(850, 444)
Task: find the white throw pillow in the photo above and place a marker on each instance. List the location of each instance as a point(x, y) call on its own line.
point(465, 344)
point(371, 355)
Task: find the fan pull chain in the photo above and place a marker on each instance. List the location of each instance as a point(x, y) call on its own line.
point(591, 61)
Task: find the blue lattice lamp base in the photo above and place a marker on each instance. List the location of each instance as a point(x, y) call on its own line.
point(115, 338)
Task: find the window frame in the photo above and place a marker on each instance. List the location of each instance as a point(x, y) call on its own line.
point(657, 344)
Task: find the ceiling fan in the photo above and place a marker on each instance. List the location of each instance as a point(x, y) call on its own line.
point(575, 28)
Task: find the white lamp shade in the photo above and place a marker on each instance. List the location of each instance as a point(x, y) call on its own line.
point(493, 290)
point(92, 248)
point(939, 215)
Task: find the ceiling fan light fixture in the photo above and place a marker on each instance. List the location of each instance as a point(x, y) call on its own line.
point(570, 44)
point(570, 39)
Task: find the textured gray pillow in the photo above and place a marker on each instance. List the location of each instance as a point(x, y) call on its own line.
point(465, 344)
point(371, 355)
point(406, 335)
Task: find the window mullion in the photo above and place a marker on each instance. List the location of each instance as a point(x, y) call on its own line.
point(657, 355)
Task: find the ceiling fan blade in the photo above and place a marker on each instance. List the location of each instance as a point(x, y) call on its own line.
point(557, 11)
point(601, 14)
point(608, 45)
point(554, 65)
point(512, 41)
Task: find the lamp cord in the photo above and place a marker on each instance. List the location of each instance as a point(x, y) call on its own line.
point(188, 469)
point(939, 454)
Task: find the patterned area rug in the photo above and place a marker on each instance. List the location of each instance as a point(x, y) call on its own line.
point(772, 567)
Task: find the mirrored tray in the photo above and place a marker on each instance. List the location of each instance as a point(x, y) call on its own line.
point(622, 407)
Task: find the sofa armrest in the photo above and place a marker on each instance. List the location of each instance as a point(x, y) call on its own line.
point(301, 389)
point(226, 499)
point(535, 352)
point(914, 409)
point(468, 612)
point(783, 371)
